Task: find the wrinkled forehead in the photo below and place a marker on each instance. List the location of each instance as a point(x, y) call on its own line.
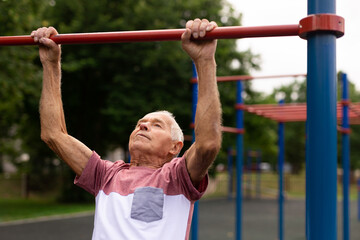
point(158, 116)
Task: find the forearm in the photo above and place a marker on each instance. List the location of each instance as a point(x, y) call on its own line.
point(208, 111)
point(51, 109)
point(53, 127)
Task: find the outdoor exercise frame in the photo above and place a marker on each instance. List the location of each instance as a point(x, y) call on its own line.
point(347, 113)
point(320, 28)
point(240, 107)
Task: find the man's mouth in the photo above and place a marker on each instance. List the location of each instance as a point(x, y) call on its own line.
point(143, 135)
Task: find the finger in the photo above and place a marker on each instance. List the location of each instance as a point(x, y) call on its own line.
point(51, 31)
point(189, 24)
point(35, 34)
point(47, 42)
point(202, 27)
point(211, 26)
point(39, 33)
point(185, 37)
point(195, 28)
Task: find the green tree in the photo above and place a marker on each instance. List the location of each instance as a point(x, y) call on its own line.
point(19, 78)
point(107, 88)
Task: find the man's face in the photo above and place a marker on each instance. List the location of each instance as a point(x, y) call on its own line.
point(152, 135)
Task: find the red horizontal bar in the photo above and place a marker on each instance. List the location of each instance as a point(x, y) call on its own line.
point(247, 77)
point(233, 32)
point(226, 129)
point(232, 130)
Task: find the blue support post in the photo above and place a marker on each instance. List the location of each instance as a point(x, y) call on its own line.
point(358, 189)
point(248, 174)
point(258, 174)
point(281, 157)
point(239, 161)
point(194, 223)
point(345, 158)
point(322, 135)
point(230, 173)
point(307, 183)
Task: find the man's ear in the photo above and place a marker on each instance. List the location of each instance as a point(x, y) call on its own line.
point(176, 148)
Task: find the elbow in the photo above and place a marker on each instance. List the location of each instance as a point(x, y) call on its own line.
point(46, 137)
point(209, 149)
point(49, 137)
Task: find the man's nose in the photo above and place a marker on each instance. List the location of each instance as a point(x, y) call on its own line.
point(144, 126)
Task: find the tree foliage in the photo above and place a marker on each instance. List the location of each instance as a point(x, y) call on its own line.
point(107, 88)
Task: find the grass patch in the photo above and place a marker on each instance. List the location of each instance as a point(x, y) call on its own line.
point(294, 186)
point(15, 209)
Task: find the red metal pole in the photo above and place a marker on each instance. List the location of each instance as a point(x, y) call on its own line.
point(247, 77)
point(158, 35)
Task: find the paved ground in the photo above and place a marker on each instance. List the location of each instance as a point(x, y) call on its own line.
point(216, 222)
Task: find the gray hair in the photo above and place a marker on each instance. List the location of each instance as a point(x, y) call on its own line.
point(176, 132)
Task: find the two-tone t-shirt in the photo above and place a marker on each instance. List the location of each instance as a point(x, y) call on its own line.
point(140, 202)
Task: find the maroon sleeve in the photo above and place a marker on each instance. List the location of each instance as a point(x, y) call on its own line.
point(95, 174)
point(187, 186)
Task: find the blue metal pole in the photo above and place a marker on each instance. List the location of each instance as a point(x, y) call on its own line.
point(248, 174)
point(281, 156)
point(322, 135)
point(239, 161)
point(194, 223)
point(230, 173)
point(358, 189)
point(345, 159)
point(258, 174)
point(307, 183)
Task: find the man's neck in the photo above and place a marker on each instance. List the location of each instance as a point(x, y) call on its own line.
point(140, 160)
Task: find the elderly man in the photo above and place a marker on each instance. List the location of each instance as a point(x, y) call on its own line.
point(153, 196)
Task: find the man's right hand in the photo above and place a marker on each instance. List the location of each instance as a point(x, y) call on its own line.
point(49, 51)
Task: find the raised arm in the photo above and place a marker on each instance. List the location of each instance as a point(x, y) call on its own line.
point(208, 136)
point(53, 127)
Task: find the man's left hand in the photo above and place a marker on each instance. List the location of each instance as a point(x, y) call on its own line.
point(203, 49)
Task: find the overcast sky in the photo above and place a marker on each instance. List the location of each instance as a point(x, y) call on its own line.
point(287, 55)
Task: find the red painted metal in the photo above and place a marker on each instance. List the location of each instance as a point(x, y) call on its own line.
point(247, 77)
point(322, 22)
point(345, 102)
point(232, 130)
point(296, 112)
point(344, 130)
point(233, 32)
point(226, 129)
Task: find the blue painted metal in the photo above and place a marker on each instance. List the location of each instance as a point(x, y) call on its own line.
point(248, 174)
point(194, 223)
point(345, 159)
point(258, 174)
point(358, 188)
point(230, 173)
point(281, 157)
point(322, 135)
point(239, 161)
point(307, 183)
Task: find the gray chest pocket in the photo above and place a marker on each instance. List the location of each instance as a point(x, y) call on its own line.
point(147, 204)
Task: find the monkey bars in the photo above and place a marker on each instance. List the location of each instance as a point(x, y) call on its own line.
point(296, 112)
point(233, 32)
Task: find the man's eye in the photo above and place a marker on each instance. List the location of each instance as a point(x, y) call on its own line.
point(157, 125)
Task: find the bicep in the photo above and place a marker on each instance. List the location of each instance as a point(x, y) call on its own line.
point(72, 151)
